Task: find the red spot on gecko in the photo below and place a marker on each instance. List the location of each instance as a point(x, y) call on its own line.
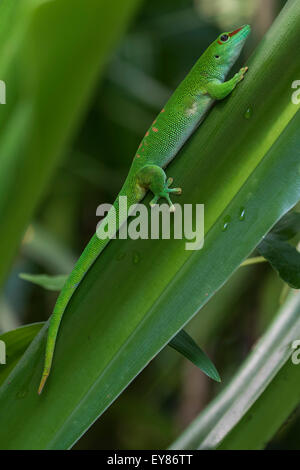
point(147, 133)
point(138, 156)
point(163, 110)
point(154, 121)
point(154, 129)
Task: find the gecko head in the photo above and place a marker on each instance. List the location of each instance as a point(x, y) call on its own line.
point(228, 46)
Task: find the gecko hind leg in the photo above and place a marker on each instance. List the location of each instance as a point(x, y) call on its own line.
point(154, 178)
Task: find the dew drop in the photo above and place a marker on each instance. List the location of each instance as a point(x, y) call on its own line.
point(22, 393)
point(242, 215)
point(248, 113)
point(226, 223)
point(120, 256)
point(136, 257)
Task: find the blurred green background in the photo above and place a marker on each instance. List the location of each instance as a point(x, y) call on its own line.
point(163, 42)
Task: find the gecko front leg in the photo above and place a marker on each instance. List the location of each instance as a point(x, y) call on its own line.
point(154, 178)
point(219, 90)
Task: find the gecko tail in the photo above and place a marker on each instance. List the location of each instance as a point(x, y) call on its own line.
point(86, 260)
point(43, 381)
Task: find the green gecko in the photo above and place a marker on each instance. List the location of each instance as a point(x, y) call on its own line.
point(182, 114)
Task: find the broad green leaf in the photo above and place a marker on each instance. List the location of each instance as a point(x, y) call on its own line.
point(284, 258)
point(55, 283)
point(51, 56)
point(16, 342)
point(182, 342)
point(150, 289)
point(185, 345)
point(267, 380)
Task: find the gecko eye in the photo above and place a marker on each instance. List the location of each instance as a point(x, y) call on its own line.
point(217, 56)
point(224, 37)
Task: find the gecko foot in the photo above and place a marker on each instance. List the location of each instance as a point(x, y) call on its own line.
point(165, 194)
point(154, 178)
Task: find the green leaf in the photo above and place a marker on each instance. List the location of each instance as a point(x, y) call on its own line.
point(16, 342)
point(259, 397)
point(44, 249)
point(55, 283)
point(150, 289)
point(182, 342)
point(185, 345)
point(268, 414)
point(48, 94)
point(284, 258)
point(287, 228)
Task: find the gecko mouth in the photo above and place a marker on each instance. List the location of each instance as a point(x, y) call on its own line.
point(235, 32)
point(241, 33)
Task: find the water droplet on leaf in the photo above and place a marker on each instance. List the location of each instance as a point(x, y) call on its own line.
point(120, 256)
point(136, 257)
point(22, 393)
point(226, 223)
point(242, 215)
point(248, 113)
